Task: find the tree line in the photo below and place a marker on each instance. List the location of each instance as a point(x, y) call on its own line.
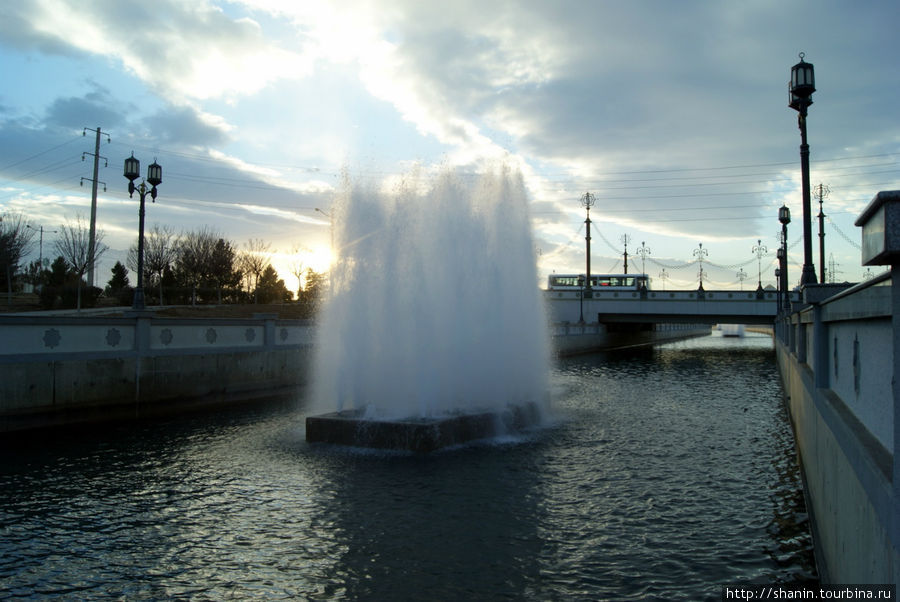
point(197, 267)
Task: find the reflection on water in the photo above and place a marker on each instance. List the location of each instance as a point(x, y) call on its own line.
point(665, 473)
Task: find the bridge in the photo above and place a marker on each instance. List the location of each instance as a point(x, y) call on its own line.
point(665, 307)
point(838, 355)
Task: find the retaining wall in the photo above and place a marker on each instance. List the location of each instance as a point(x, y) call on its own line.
point(573, 339)
point(837, 358)
point(67, 369)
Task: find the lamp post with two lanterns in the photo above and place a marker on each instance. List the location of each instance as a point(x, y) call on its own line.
point(154, 178)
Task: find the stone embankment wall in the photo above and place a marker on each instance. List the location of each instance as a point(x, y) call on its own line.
point(836, 361)
point(839, 358)
point(56, 370)
point(573, 339)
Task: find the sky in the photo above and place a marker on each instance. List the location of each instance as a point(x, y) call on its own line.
point(674, 115)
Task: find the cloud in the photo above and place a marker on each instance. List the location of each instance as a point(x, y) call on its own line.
point(186, 125)
point(183, 50)
point(92, 108)
point(645, 104)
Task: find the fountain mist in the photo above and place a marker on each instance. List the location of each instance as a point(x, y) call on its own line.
point(434, 308)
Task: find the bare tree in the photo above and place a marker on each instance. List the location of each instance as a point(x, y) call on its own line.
point(73, 245)
point(194, 254)
point(15, 243)
point(253, 261)
point(298, 266)
point(160, 251)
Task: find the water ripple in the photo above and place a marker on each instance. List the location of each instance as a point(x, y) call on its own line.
point(663, 474)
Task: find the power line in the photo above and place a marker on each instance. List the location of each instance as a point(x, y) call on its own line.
point(744, 166)
point(36, 155)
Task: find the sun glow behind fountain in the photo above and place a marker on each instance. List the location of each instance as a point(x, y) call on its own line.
point(434, 311)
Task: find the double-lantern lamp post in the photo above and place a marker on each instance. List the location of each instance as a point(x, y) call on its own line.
point(802, 85)
point(154, 178)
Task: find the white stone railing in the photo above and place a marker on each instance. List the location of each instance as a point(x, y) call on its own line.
point(35, 337)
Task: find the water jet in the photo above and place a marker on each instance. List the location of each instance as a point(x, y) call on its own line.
point(433, 333)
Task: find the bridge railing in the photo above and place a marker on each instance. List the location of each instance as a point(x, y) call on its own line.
point(49, 338)
point(658, 306)
point(675, 295)
point(846, 342)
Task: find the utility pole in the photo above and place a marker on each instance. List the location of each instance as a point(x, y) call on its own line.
point(94, 181)
point(832, 271)
point(41, 230)
point(822, 191)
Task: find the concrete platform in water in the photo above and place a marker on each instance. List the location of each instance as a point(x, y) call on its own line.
point(422, 435)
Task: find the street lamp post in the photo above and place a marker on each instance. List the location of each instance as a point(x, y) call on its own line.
point(802, 85)
point(581, 299)
point(759, 250)
point(643, 252)
point(784, 216)
point(154, 178)
point(741, 276)
point(778, 289)
point(664, 275)
point(587, 201)
point(700, 253)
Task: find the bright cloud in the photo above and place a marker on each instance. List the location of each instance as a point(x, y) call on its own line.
point(673, 114)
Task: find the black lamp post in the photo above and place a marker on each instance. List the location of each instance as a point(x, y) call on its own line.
point(581, 299)
point(587, 201)
point(154, 178)
point(784, 216)
point(759, 250)
point(778, 288)
point(803, 84)
point(643, 252)
point(700, 253)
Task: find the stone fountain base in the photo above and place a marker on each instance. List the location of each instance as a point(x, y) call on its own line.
point(418, 434)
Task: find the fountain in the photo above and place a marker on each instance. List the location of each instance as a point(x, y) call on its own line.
point(434, 331)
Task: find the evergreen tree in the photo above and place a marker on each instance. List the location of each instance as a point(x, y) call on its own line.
point(119, 278)
point(221, 266)
point(118, 286)
point(271, 288)
point(55, 280)
point(313, 292)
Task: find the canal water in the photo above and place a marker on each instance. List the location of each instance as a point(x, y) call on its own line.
point(665, 473)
